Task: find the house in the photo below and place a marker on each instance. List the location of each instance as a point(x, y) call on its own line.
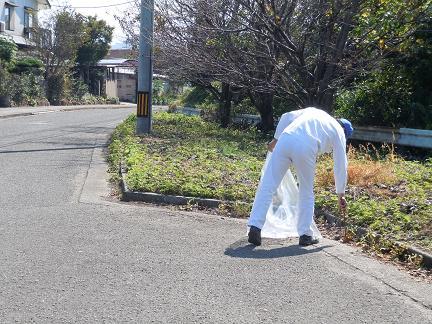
point(18, 17)
point(121, 78)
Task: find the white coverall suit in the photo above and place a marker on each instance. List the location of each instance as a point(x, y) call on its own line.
point(302, 135)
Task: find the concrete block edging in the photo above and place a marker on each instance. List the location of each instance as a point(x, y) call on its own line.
point(150, 197)
point(361, 231)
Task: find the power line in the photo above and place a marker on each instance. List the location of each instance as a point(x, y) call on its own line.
point(96, 7)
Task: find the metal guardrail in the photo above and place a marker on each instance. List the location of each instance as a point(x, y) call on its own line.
point(399, 136)
point(253, 119)
point(402, 136)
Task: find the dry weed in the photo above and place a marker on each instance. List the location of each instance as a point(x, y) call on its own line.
point(367, 166)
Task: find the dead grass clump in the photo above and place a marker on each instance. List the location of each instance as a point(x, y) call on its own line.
point(366, 167)
point(367, 173)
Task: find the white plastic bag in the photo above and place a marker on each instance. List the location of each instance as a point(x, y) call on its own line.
point(282, 217)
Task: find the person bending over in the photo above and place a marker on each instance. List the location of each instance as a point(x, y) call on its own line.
point(301, 136)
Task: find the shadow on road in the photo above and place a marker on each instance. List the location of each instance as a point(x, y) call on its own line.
point(242, 249)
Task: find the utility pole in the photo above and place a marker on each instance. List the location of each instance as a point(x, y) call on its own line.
point(145, 69)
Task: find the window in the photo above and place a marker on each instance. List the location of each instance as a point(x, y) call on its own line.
point(110, 74)
point(28, 17)
point(9, 14)
point(7, 17)
point(28, 22)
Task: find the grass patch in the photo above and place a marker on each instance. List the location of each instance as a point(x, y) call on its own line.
point(186, 156)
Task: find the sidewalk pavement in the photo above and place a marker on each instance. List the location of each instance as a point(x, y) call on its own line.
point(27, 111)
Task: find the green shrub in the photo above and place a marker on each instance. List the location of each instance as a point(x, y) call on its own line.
point(245, 106)
point(160, 96)
point(5, 82)
point(8, 51)
point(209, 110)
point(399, 94)
point(112, 100)
point(195, 96)
point(27, 89)
point(28, 64)
point(79, 89)
point(157, 91)
point(57, 88)
point(381, 100)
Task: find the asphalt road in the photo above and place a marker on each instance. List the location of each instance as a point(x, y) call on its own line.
point(69, 253)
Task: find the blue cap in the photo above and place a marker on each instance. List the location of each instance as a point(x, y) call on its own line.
point(347, 127)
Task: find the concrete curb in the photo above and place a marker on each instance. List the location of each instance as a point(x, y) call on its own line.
point(155, 198)
point(17, 115)
point(360, 232)
point(427, 257)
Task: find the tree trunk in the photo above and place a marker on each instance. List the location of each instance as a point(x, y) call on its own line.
point(327, 100)
point(87, 77)
point(224, 112)
point(323, 100)
point(263, 102)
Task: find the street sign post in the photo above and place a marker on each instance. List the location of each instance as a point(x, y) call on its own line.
point(145, 69)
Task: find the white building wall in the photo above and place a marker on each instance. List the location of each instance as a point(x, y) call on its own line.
point(17, 18)
point(126, 87)
point(111, 89)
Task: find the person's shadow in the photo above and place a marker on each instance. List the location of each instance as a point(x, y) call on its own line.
point(242, 249)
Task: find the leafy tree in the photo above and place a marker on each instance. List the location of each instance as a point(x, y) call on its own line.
point(95, 47)
point(398, 91)
point(97, 41)
point(58, 39)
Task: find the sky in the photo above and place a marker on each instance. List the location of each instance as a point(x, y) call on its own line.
point(106, 13)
